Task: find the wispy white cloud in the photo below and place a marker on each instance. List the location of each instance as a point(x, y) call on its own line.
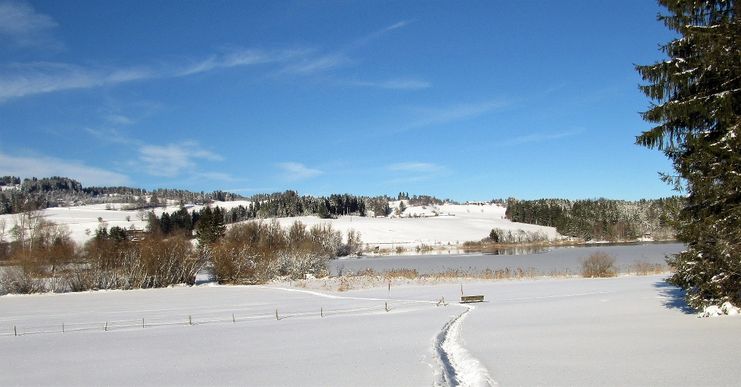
point(250, 189)
point(393, 84)
point(459, 112)
point(396, 26)
point(172, 160)
point(316, 64)
point(216, 176)
point(42, 166)
point(539, 137)
point(414, 171)
point(240, 57)
point(362, 41)
point(293, 171)
point(169, 160)
point(110, 135)
point(21, 25)
point(119, 119)
point(19, 80)
point(414, 167)
point(26, 79)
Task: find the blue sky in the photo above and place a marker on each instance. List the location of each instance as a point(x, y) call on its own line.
point(465, 100)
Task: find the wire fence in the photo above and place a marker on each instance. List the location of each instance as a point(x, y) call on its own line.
point(236, 317)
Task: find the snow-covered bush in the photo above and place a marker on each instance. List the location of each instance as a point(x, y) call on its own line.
point(725, 309)
point(17, 280)
point(516, 236)
point(153, 262)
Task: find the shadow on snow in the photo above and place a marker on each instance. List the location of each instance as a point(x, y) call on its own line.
point(673, 297)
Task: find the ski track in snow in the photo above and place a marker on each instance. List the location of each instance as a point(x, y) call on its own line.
point(457, 367)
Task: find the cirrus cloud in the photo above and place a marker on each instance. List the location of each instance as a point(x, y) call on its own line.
point(21, 25)
point(172, 160)
point(293, 171)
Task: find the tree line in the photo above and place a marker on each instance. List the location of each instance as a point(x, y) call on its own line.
point(600, 219)
point(39, 193)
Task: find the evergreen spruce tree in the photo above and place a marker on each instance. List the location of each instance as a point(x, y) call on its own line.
point(696, 112)
point(210, 226)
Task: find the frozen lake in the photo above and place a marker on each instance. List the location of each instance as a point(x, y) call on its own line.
point(550, 260)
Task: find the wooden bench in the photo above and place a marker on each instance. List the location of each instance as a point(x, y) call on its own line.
point(468, 299)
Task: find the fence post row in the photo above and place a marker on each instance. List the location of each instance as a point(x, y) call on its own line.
point(234, 317)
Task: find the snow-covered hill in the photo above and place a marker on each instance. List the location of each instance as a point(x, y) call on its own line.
point(447, 224)
point(82, 221)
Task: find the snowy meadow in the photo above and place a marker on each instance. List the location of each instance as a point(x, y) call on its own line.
point(618, 331)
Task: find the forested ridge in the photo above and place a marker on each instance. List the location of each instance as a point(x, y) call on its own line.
point(38, 193)
point(600, 219)
point(591, 219)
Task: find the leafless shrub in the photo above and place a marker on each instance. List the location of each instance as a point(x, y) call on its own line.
point(645, 268)
point(472, 246)
point(165, 261)
point(153, 262)
point(401, 273)
point(507, 273)
point(423, 248)
point(325, 239)
point(599, 264)
point(344, 285)
point(231, 263)
point(17, 280)
point(354, 245)
point(366, 272)
point(256, 252)
point(450, 273)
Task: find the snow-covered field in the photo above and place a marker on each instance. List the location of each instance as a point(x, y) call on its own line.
point(619, 331)
point(455, 224)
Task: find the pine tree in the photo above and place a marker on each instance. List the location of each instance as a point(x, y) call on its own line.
point(696, 113)
point(210, 226)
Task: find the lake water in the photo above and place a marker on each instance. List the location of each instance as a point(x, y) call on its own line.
point(550, 260)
